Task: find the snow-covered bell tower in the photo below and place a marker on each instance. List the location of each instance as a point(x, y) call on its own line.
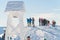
point(15, 27)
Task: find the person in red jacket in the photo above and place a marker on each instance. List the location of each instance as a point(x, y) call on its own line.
point(53, 23)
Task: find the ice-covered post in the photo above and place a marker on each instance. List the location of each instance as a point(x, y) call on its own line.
point(15, 27)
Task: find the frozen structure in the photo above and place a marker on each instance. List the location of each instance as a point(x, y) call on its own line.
point(15, 27)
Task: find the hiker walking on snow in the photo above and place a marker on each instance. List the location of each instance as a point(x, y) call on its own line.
point(53, 23)
point(40, 21)
point(29, 21)
point(33, 22)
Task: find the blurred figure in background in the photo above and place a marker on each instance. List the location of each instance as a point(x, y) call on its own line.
point(53, 23)
point(40, 21)
point(44, 22)
point(48, 22)
point(29, 21)
point(33, 22)
point(28, 38)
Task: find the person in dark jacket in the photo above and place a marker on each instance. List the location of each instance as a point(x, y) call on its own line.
point(44, 22)
point(33, 21)
point(30, 20)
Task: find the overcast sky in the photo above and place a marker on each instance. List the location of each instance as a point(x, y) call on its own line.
point(49, 9)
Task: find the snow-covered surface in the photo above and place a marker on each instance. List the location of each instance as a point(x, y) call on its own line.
point(47, 32)
point(41, 32)
point(35, 33)
point(51, 33)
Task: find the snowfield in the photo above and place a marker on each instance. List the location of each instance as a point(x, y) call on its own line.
point(42, 32)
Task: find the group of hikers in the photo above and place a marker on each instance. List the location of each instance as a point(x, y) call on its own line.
point(42, 22)
point(30, 21)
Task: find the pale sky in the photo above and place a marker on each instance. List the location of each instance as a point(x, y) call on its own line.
point(49, 9)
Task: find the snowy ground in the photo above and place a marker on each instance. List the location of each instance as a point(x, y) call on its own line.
point(43, 32)
point(51, 33)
